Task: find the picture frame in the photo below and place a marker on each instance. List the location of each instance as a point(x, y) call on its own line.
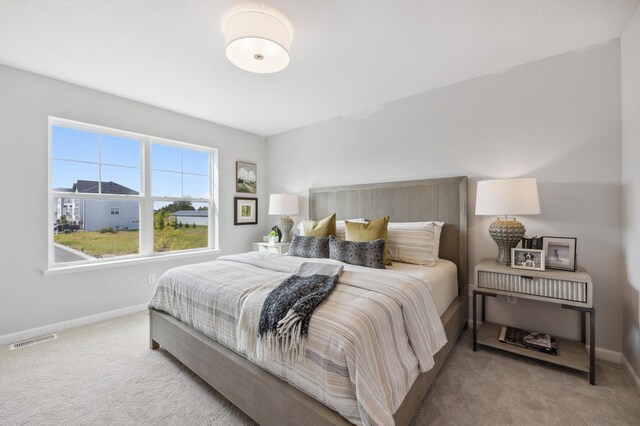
point(531, 259)
point(246, 177)
point(560, 252)
point(245, 211)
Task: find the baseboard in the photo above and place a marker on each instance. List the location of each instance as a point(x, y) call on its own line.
point(632, 372)
point(607, 355)
point(52, 328)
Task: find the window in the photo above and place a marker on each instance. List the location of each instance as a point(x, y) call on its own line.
point(115, 193)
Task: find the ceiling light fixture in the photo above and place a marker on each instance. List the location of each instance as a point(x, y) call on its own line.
point(257, 41)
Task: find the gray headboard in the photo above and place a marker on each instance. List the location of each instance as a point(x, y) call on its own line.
point(409, 201)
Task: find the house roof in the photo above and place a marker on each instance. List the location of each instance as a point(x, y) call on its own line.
point(192, 213)
point(91, 187)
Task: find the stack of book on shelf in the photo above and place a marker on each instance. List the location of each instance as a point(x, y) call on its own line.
point(529, 340)
point(532, 243)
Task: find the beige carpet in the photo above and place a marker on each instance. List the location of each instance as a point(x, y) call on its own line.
point(105, 374)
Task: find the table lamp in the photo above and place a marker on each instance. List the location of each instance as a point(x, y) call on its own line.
point(284, 205)
point(507, 197)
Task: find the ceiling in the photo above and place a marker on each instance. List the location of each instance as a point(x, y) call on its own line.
point(346, 56)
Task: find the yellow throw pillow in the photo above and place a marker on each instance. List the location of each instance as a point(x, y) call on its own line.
point(369, 231)
point(320, 228)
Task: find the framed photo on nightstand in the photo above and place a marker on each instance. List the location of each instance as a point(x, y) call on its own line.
point(560, 253)
point(527, 259)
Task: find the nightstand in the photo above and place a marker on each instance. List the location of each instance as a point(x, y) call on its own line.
point(570, 290)
point(278, 248)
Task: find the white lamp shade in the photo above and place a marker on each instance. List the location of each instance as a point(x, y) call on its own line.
point(283, 204)
point(507, 197)
point(257, 41)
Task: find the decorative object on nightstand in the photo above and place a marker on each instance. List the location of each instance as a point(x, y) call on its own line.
point(527, 259)
point(284, 205)
point(277, 248)
point(275, 235)
point(560, 252)
point(570, 290)
point(507, 197)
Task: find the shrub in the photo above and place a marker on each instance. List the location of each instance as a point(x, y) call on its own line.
point(194, 225)
point(186, 226)
point(165, 238)
point(158, 220)
point(107, 230)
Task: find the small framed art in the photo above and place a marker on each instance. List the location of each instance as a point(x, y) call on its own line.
point(246, 177)
point(560, 253)
point(527, 259)
point(245, 211)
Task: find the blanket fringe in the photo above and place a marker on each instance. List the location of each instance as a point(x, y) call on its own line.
point(286, 343)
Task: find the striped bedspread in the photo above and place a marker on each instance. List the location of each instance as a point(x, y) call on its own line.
point(367, 341)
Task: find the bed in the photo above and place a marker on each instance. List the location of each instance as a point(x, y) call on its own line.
point(259, 390)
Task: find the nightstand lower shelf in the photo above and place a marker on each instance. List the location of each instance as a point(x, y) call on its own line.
point(571, 353)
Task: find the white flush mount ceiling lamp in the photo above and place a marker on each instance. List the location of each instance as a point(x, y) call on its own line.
point(257, 41)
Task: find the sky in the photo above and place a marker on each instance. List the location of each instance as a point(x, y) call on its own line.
point(81, 155)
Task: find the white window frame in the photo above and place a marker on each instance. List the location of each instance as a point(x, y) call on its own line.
point(144, 198)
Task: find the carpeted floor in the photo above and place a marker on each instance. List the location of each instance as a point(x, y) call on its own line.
point(104, 373)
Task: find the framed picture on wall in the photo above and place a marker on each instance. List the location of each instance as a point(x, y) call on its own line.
point(246, 177)
point(561, 252)
point(245, 211)
point(527, 259)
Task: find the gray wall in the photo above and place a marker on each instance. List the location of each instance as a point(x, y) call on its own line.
point(630, 52)
point(29, 300)
point(557, 120)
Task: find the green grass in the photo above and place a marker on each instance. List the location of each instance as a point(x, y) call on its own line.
point(101, 245)
point(190, 238)
point(126, 242)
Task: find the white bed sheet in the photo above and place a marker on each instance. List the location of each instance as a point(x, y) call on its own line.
point(442, 280)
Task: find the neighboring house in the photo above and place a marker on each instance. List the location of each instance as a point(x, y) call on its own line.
point(199, 217)
point(93, 215)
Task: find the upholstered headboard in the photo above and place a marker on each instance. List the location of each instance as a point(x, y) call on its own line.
point(442, 199)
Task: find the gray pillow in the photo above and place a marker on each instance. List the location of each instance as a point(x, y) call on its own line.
point(309, 247)
point(369, 254)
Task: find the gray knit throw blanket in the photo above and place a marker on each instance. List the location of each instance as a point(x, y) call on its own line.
point(286, 312)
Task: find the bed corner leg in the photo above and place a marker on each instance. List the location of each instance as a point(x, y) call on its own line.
point(153, 344)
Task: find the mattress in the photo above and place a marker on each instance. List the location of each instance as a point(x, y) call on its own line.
point(367, 342)
point(442, 280)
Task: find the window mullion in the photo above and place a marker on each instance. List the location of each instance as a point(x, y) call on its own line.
point(146, 234)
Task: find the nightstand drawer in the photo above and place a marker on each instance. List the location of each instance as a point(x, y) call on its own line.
point(574, 291)
point(277, 248)
point(269, 249)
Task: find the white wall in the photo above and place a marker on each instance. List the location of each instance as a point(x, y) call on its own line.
point(29, 300)
point(630, 60)
point(557, 120)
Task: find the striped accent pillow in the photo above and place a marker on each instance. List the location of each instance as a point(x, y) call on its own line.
point(414, 242)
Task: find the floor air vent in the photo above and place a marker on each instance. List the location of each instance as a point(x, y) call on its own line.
point(33, 341)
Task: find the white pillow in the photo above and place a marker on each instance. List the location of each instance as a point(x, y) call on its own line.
point(414, 242)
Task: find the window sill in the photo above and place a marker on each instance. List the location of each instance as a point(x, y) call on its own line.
point(59, 270)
